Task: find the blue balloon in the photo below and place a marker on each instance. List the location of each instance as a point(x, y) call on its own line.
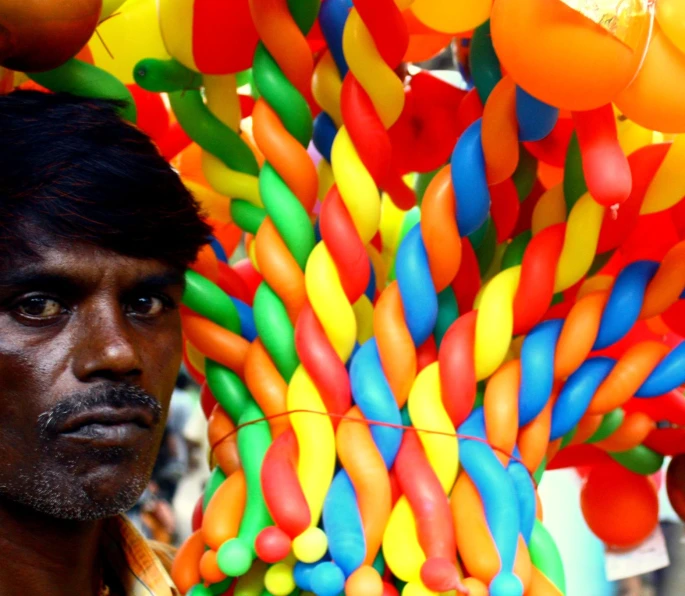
point(495, 487)
point(332, 18)
point(343, 525)
point(506, 583)
point(525, 491)
point(374, 397)
point(536, 119)
point(302, 574)
point(668, 375)
point(419, 299)
point(324, 135)
point(469, 180)
point(625, 302)
point(219, 251)
point(327, 579)
point(247, 325)
point(537, 369)
point(577, 393)
point(370, 291)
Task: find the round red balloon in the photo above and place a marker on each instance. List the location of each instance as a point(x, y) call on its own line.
point(620, 507)
point(39, 35)
point(675, 484)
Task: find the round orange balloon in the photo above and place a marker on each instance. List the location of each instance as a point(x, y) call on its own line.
point(620, 507)
point(654, 99)
point(675, 484)
point(39, 35)
point(572, 58)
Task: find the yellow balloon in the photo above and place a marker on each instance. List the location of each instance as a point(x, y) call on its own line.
point(329, 301)
point(311, 545)
point(549, 210)
point(427, 411)
point(631, 136)
point(671, 17)
point(580, 242)
point(316, 465)
point(132, 34)
point(452, 17)
point(279, 580)
point(401, 547)
point(668, 184)
point(108, 8)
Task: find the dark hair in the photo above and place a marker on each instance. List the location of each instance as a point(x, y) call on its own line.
point(71, 169)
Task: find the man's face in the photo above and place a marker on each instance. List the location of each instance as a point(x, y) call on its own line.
point(90, 346)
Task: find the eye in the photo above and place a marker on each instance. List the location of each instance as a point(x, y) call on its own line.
point(39, 307)
point(146, 306)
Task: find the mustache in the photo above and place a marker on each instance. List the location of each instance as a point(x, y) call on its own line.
point(113, 396)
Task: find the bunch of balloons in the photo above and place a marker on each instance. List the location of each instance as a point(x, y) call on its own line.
point(449, 289)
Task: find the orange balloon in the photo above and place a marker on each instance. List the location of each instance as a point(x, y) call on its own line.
point(224, 512)
point(424, 42)
point(223, 441)
point(474, 542)
point(209, 568)
point(562, 57)
point(620, 507)
point(654, 99)
point(185, 570)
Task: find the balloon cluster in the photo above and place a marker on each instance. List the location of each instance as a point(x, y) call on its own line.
point(448, 289)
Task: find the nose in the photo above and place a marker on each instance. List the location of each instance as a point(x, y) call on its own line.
point(105, 348)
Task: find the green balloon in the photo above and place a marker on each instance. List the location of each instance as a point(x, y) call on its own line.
point(209, 300)
point(640, 459)
point(423, 179)
point(275, 330)
point(282, 96)
point(568, 437)
point(608, 426)
point(485, 253)
point(165, 75)
point(477, 236)
point(220, 588)
point(304, 13)
point(574, 179)
point(379, 563)
point(485, 68)
point(544, 554)
point(234, 557)
point(228, 390)
point(214, 481)
point(526, 173)
point(513, 255)
point(210, 133)
point(246, 216)
point(448, 311)
point(200, 590)
point(80, 78)
point(537, 476)
point(288, 215)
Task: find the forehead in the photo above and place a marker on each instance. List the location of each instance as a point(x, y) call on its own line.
point(82, 264)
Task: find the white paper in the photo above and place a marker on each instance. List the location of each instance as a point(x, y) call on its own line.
point(648, 556)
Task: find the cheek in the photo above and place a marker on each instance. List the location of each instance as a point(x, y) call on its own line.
point(161, 357)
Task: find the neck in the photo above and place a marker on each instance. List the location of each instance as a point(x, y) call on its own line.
point(45, 555)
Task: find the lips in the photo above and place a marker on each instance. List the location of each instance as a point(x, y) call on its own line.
point(108, 417)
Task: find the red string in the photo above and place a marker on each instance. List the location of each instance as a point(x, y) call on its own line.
point(367, 423)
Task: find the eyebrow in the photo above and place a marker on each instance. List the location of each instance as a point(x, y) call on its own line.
point(34, 277)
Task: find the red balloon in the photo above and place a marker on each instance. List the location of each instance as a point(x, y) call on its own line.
point(272, 545)
point(620, 507)
point(196, 520)
point(39, 35)
point(224, 36)
point(675, 484)
point(249, 275)
point(207, 400)
point(605, 166)
point(153, 118)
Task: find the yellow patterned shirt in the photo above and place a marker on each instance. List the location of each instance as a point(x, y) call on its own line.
point(140, 567)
